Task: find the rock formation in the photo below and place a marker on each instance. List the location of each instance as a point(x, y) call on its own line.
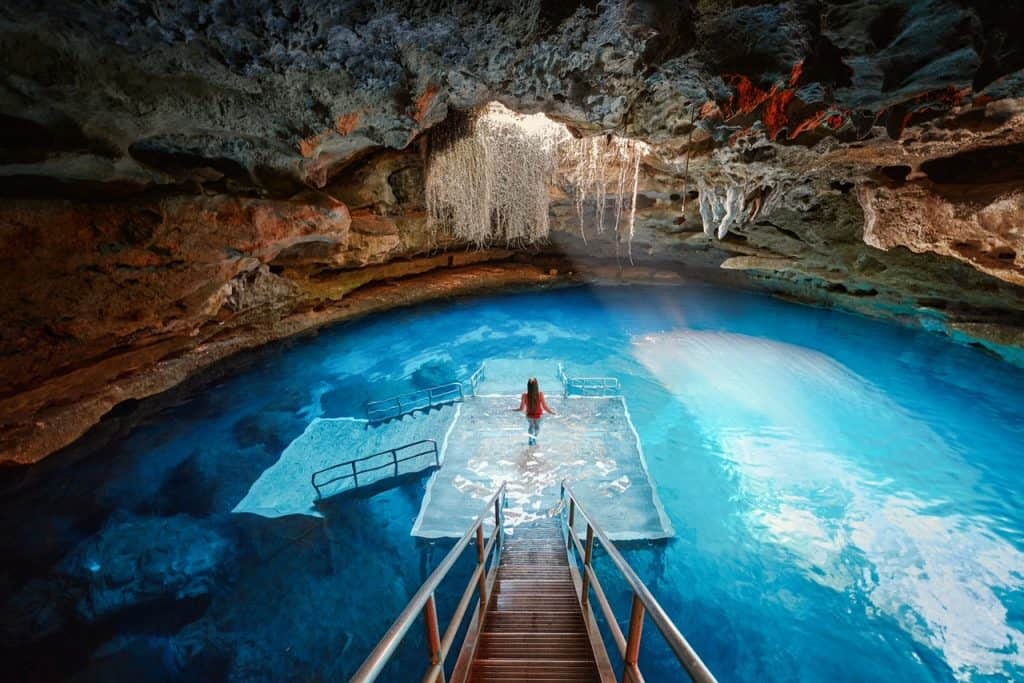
point(183, 180)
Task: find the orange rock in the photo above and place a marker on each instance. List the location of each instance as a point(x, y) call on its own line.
point(424, 101)
point(367, 222)
point(347, 123)
point(309, 146)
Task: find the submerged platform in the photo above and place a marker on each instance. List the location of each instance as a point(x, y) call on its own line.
point(483, 442)
point(591, 442)
point(285, 489)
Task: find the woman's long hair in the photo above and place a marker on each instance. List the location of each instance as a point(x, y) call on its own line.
point(533, 396)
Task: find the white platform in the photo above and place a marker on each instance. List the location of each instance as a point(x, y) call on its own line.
point(285, 489)
point(592, 443)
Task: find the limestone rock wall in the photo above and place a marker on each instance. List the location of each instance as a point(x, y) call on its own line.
point(179, 180)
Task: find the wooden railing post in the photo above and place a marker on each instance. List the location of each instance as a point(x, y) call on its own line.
point(433, 635)
point(481, 560)
point(636, 629)
point(589, 553)
point(355, 476)
point(500, 542)
point(572, 514)
point(394, 459)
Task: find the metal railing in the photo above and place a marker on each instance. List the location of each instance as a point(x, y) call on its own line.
point(423, 602)
point(589, 386)
point(421, 399)
point(424, 447)
point(476, 377)
point(643, 602)
point(593, 386)
point(403, 404)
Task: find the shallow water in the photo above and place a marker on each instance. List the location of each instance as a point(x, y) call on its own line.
point(845, 495)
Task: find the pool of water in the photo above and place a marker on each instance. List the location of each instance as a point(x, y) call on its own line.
point(846, 497)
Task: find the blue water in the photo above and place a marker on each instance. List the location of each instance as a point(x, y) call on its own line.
point(846, 496)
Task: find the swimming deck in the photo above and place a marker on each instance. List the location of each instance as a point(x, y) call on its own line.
point(591, 442)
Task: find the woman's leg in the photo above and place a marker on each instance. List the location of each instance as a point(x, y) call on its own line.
point(534, 429)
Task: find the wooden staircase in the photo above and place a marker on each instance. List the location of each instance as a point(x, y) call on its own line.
point(529, 624)
point(534, 628)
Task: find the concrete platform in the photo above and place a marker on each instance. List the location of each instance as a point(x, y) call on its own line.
point(284, 488)
point(592, 443)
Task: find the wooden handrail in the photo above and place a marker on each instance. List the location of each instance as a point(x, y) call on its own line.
point(644, 603)
point(423, 602)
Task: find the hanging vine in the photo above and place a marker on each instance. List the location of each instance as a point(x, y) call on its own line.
point(489, 175)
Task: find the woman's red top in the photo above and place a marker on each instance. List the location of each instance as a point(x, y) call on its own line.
point(540, 404)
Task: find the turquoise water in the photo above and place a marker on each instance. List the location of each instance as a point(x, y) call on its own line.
point(845, 494)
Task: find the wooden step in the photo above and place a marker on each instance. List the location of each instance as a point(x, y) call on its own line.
point(535, 621)
point(511, 645)
point(534, 628)
point(519, 670)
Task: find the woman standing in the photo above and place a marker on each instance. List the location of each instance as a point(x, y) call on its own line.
point(534, 403)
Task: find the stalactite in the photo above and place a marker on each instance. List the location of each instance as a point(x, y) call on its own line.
point(632, 204)
point(735, 204)
point(588, 162)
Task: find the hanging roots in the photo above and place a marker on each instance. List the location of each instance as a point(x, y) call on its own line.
point(489, 176)
point(488, 180)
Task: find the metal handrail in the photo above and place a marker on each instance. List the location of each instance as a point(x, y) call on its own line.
point(424, 602)
point(354, 474)
point(643, 601)
point(585, 384)
point(402, 404)
point(564, 377)
point(474, 379)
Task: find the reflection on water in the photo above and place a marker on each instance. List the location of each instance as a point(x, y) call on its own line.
point(792, 424)
point(846, 498)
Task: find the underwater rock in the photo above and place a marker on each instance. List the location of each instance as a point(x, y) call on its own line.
point(154, 658)
point(211, 480)
point(349, 398)
point(434, 372)
point(41, 608)
point(267, 429)
point(136, 561)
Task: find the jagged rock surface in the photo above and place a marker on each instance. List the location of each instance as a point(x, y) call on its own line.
point(178, 176)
